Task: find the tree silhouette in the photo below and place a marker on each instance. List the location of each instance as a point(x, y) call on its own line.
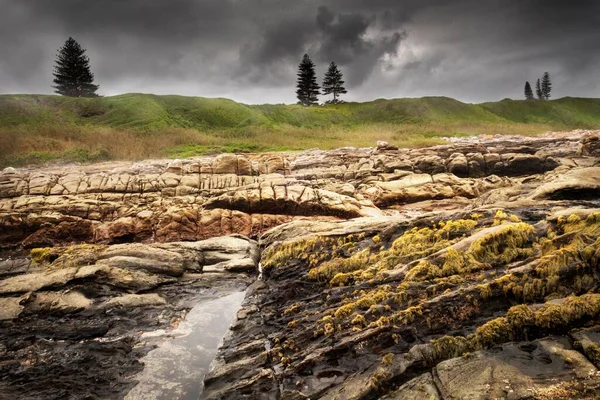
point(307, 88)
point(333, 83)
point(538, 90)
point(72, 75)
point(528, 91)
point(546, 86)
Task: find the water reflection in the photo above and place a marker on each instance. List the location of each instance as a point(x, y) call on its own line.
point(176, 368)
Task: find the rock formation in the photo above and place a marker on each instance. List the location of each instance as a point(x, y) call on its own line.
point(468, 270)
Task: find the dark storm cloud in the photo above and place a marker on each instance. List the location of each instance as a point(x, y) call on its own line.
point(327, 36)
point(249, 49)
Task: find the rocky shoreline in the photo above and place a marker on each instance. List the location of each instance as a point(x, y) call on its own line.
point(468, 270)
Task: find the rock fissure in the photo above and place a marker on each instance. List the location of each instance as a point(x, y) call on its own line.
point(388, 273)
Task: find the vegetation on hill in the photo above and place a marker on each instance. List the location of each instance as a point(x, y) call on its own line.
point(38, 128)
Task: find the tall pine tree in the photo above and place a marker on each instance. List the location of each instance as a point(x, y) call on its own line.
point(538, 90)
point(528, 91)
point(307, 88)
point(546, 86)
point(333, 83)
point(72, 75)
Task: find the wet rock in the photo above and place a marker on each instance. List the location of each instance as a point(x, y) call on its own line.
point(420, 388)
point(516, 371)
point(408, 273)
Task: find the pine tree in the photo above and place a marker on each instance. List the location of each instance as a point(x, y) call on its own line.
point(546, 86)
point(538, 90)
point(528, 91)
point(72, 75)
point(333, 83)
point(307, 88)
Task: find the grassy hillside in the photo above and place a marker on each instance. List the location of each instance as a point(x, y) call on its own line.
point(36, 128)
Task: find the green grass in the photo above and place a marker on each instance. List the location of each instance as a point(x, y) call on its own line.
point(41, 128)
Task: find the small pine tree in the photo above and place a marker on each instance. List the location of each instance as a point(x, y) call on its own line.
point(307, 88)
point(528, 91)
point(546, 86)
point(538, 90)
point(333, 83)
point(72, 75)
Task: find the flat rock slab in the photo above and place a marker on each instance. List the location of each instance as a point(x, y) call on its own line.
point(420, 388)
point(512, 371)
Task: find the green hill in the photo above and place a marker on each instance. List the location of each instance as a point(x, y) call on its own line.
point(37, 128)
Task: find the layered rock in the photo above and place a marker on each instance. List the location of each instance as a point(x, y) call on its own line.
point(356, 312)
point(162, 201)
point(468, 270)
point(498, 300)
point(69, 313)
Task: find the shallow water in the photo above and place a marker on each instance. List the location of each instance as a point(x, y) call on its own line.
point(176, 368)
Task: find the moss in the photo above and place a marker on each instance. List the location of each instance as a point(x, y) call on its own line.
point(364, 300)
point(411, 245)
point(477, 216)
point(291, 309)
point(294, 323)
point(344, 311)
point(592, 351)
point(387, 360)
point(551, 317)
point(454, 263)
point(408, 316)
point(381, 322)
point(520, 316)
point(504, 245)
point(315, 250)
point(485, 291)
point(359, 320)
point(275, 256)
point(378, 378)
point(450, 346)
point(335, 267)
point(329, 329)
point(82, 254)
point(41, 255)
point(500, 217)
point(590, 226)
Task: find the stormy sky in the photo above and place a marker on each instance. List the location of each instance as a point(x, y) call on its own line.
point(248, 50)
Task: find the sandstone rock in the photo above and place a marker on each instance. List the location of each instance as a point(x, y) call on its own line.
point(36, 281)
point(517, 370)
point(590, 145)
point(135, 300)
point(419, 388)
point(66, 302)
point(150, 265)
point(379, 268)
point(10, 307)
point(582, 183)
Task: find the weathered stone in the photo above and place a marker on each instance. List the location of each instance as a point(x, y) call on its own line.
point(590, 145)
point(517, 371)
point(576, 184)
point(419, 388)
point(136, 300)
point(449, 240)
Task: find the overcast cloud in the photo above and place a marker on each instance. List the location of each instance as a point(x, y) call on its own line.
point(248, 50)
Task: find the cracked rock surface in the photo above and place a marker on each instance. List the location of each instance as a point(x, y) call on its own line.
point(463, 271)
